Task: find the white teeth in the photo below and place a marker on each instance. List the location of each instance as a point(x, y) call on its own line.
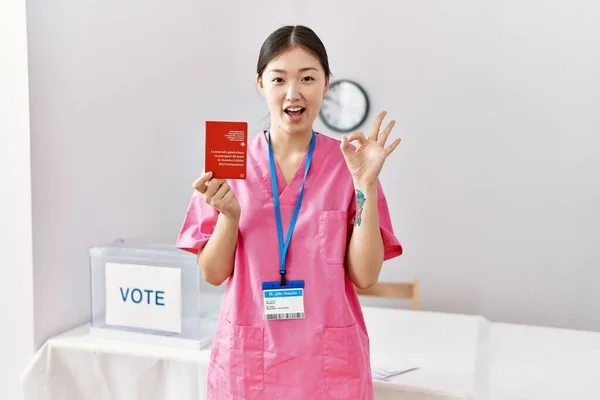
point(294, 108)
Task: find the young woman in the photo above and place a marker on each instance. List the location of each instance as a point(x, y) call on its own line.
point(308, 224)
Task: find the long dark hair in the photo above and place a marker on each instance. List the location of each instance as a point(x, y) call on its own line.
point(287, 37)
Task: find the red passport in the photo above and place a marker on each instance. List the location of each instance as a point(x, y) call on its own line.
point(226, 145)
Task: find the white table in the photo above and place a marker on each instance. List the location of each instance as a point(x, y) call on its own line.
point(450, 351)
point(531, 362)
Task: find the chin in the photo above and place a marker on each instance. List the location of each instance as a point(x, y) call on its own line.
point(294, 129)
point(299, 127)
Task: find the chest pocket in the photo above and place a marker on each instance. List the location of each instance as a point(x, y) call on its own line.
point(333, 231)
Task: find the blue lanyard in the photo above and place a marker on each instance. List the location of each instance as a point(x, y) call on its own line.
point(283, 247)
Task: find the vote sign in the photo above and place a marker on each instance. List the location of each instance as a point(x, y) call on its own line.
point(142, 296)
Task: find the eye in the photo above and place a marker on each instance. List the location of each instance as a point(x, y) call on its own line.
point(277, 80)
point(309, 78)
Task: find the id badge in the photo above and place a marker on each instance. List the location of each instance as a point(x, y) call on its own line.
point(283, 302)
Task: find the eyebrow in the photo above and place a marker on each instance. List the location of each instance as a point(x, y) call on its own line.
point(282, 71)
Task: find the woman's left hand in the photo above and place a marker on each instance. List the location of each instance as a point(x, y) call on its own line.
point(366, 162)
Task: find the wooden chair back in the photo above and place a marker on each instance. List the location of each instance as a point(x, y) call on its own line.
point(398, 290)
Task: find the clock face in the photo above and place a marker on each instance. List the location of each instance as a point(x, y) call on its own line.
point(345, 106)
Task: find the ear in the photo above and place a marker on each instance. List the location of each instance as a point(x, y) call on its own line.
point(326, 89)
point(259, 85)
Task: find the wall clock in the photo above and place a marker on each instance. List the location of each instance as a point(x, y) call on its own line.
point(345, 106)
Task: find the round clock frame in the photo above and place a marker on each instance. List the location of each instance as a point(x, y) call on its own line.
point(358, 90)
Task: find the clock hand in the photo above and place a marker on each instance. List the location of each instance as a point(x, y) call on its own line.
point(333, 100)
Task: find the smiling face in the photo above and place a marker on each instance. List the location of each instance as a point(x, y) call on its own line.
point(293, 85)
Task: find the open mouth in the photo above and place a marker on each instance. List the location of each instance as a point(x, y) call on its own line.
point(294, 111)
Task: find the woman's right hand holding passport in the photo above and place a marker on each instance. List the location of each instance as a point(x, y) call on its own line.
point(218, 194)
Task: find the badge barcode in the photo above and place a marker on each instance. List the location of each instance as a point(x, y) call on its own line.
point(286, 315)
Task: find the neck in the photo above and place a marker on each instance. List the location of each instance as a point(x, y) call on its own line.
point(285, 143)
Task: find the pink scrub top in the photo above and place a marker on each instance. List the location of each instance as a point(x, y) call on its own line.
point(324, 355)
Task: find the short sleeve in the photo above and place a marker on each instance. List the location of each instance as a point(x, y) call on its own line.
point(391, 245)
point(198, 224)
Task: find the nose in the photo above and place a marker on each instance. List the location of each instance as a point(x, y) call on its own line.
point(293, 93)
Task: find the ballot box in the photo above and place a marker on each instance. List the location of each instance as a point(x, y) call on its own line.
point(147, 290)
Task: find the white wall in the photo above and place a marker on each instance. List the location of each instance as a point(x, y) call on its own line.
point(494, 103)
point(496, 192)
point(16, 283)
point(120, 92)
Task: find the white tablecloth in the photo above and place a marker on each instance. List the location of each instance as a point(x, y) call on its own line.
point(450, 351)
point(541, 363)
